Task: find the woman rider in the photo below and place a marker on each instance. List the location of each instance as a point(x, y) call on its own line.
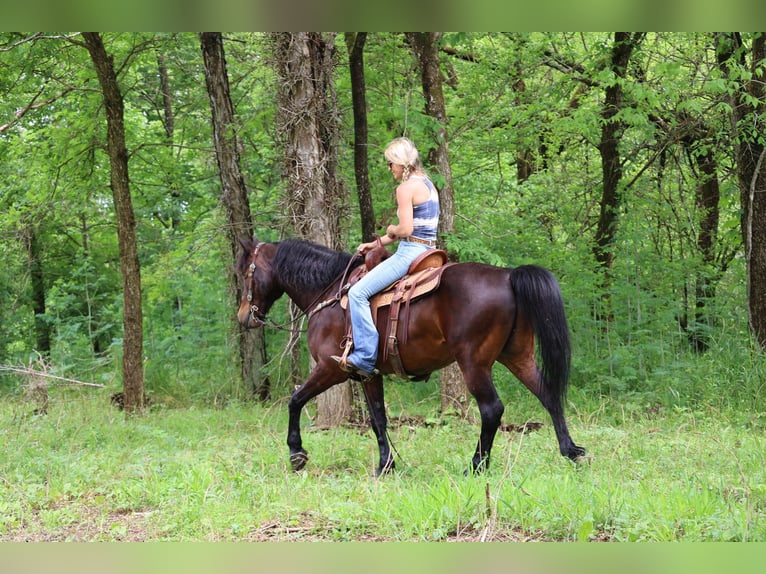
point(417, 210)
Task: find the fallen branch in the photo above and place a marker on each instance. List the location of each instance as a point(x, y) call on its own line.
point(35, 373)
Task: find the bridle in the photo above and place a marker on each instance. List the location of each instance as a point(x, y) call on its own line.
point(260, 318)
point(255, 312)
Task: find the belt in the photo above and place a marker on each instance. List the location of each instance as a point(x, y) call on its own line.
point(429, 242)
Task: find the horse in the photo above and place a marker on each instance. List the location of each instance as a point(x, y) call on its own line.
point(478, 315)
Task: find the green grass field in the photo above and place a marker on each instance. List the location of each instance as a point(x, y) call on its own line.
point(83, 472)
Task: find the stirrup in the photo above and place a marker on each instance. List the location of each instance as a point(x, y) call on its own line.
point(356, 373)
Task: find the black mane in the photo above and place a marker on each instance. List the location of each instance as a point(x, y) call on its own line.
point(308, 266)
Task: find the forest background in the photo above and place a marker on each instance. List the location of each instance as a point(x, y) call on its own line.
point(630, 164)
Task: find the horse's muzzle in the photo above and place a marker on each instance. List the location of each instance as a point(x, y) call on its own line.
point(250, 317)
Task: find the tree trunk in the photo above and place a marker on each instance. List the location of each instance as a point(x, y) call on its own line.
point(308, 118)
point(169, 123)
point(132, 362)
point(37, 280)
point(355, 44)
point(707, 197)
point(525, 158)
point(425, 46)
point(252, 345)
point(611, 164)
point(755, 233)
point(751, 169)
point(748, 104)
point(698, 142)
point(168, 118)
point(611, 134)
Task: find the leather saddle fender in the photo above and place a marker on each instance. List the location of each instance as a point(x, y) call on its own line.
point(424, 276)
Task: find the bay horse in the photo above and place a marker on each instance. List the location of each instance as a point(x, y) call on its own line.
point(478, 315)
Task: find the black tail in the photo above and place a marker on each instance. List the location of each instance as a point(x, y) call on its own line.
point(538, 298)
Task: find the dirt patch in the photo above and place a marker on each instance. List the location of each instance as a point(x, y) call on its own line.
point(89, 524)
point(523, 428)
point(309, 530)
point(85, 524)
point(419, 421)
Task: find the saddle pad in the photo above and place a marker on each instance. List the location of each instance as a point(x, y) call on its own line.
point(424, 282)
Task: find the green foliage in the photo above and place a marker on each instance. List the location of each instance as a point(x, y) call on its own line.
point(538, 94)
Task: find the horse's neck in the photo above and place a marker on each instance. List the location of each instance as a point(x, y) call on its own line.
point(306, 301)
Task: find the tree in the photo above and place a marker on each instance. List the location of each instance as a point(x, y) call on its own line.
point(132, 362)
point(527, 116)
point(355, 44)
point(426, 48)
point(525, 160)
point(748, 105)
point(696, 142)
point(37, 279)
point(425, 45)
point(234, 198)
point(309, 119)
point(611, 133)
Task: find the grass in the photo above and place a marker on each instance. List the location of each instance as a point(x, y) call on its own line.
point(84, 472)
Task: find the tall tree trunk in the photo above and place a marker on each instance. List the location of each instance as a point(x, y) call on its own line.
point(169, 123)
point(425, 46)
point(37, 280)
point(748, 104)
point(168, 118)
point(355, 44)
point(252, 344)
point(525, 158)
point(706, 198)
point(611, 164)
point(698, 142)
point(133, 342)
point(308, 118)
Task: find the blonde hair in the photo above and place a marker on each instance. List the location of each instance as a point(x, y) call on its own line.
point(402, 151)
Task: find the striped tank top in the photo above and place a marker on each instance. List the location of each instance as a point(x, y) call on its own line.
point(426, 214)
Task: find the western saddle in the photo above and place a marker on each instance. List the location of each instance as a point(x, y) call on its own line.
point(423, 276)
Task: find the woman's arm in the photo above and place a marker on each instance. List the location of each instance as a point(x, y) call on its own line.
point(404, 212)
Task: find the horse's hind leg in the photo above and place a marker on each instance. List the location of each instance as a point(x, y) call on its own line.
point(373, 393)
point(528, 373)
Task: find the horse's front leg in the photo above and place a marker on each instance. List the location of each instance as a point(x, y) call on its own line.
point(373, 393)
point(321, 378)
point(298, 455)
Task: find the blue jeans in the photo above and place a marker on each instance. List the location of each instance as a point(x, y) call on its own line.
point(365, 334)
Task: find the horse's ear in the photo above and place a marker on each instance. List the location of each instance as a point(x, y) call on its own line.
point(247, 244)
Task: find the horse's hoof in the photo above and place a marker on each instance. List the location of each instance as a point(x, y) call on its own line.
point(388, 468)
point(477, 468)
point(298, 460)
point(573, 452)
point(578, 455)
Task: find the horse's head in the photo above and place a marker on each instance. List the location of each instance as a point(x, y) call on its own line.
point(260, 288)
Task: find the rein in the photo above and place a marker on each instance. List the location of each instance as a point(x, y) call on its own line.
point(262, 319)
point(332, 300)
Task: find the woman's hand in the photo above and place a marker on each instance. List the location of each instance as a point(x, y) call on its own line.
point(365, 247)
